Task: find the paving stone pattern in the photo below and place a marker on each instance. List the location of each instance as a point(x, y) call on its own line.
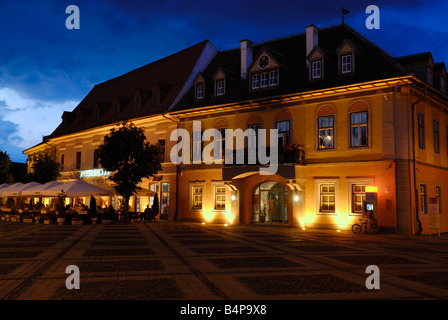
point(189, 261)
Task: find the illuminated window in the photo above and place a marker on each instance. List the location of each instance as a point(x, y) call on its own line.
point(197, 197)
point(327, 198)
point(220, 198)
point(326, 130)
point(358, 128)
point(358, 197)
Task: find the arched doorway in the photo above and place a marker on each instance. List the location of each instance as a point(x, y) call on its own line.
point(270, 203)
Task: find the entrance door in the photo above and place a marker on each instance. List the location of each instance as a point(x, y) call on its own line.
point(270, 203)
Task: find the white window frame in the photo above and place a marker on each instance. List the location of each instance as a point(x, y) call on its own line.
point(220, 87)
point(316, 69)
point(255, 81)
point(222, 192)
point(317, 196)
point(273, 78)
point(352, 182)
point(346, 66)
point(264, 79)
point(200, 91)
point(193, 193)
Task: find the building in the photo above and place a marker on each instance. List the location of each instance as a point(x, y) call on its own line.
point(351, 119)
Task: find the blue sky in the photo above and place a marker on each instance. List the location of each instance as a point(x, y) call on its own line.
point(46, 69)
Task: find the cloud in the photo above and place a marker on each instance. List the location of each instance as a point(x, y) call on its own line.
point(25, 120)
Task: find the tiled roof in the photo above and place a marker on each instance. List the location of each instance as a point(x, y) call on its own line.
point(371, 63)
point(168, 74)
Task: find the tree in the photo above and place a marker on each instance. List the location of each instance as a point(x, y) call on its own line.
point(5, 164)
point(45, 169)
point(126, 152)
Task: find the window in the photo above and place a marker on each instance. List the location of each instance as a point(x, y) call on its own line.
point(156, 98)
point(62, 161)
point(138, 105)
point(283, 133)
point(421, 130)
point(200, 94)
point(198, 145)
point(423, 201)
point(264, 80)
point(316, 69)
point(220, 198)
point(358, 129)
point(327, 198)
point(436, 136)
point(255, 81)
point(252, 138)
point(439, 199)
point(358, 198)
point(346, 63)
point(220, 144)
point(273, 78)
point(78, 160)
point(197, 197)
point(326, 130)
point(219, 87)
point(162, 146)
point(95, 158)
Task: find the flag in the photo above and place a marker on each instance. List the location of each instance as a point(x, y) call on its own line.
point(345, 11)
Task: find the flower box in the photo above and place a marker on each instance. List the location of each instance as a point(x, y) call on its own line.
point(106, 221)
point(28, 220)
point(77, 222)
point(47, 221)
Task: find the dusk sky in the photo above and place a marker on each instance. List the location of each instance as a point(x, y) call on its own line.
point(46, 69)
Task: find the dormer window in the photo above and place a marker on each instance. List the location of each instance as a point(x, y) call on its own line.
point(138, 104)
point(220, 87)
point(316, 69)
point(346, 63)
point(200, 91)
point(273, 78)
point(256, 81)
point(116, 108)
point(265, 79)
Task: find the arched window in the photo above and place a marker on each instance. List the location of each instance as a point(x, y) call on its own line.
point(220, 143)
point(325, 128)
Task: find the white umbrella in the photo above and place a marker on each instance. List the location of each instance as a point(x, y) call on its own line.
point(11, 189)
point(39, 190)
point(77, 188)
point(15, 189)
point(4, 185)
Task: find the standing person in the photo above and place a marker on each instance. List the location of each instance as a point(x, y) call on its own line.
point(147, 214)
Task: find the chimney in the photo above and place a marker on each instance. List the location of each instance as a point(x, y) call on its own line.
point(312, 39)
point(246, 56)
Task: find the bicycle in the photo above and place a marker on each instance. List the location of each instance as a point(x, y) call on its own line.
point(357, 228)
